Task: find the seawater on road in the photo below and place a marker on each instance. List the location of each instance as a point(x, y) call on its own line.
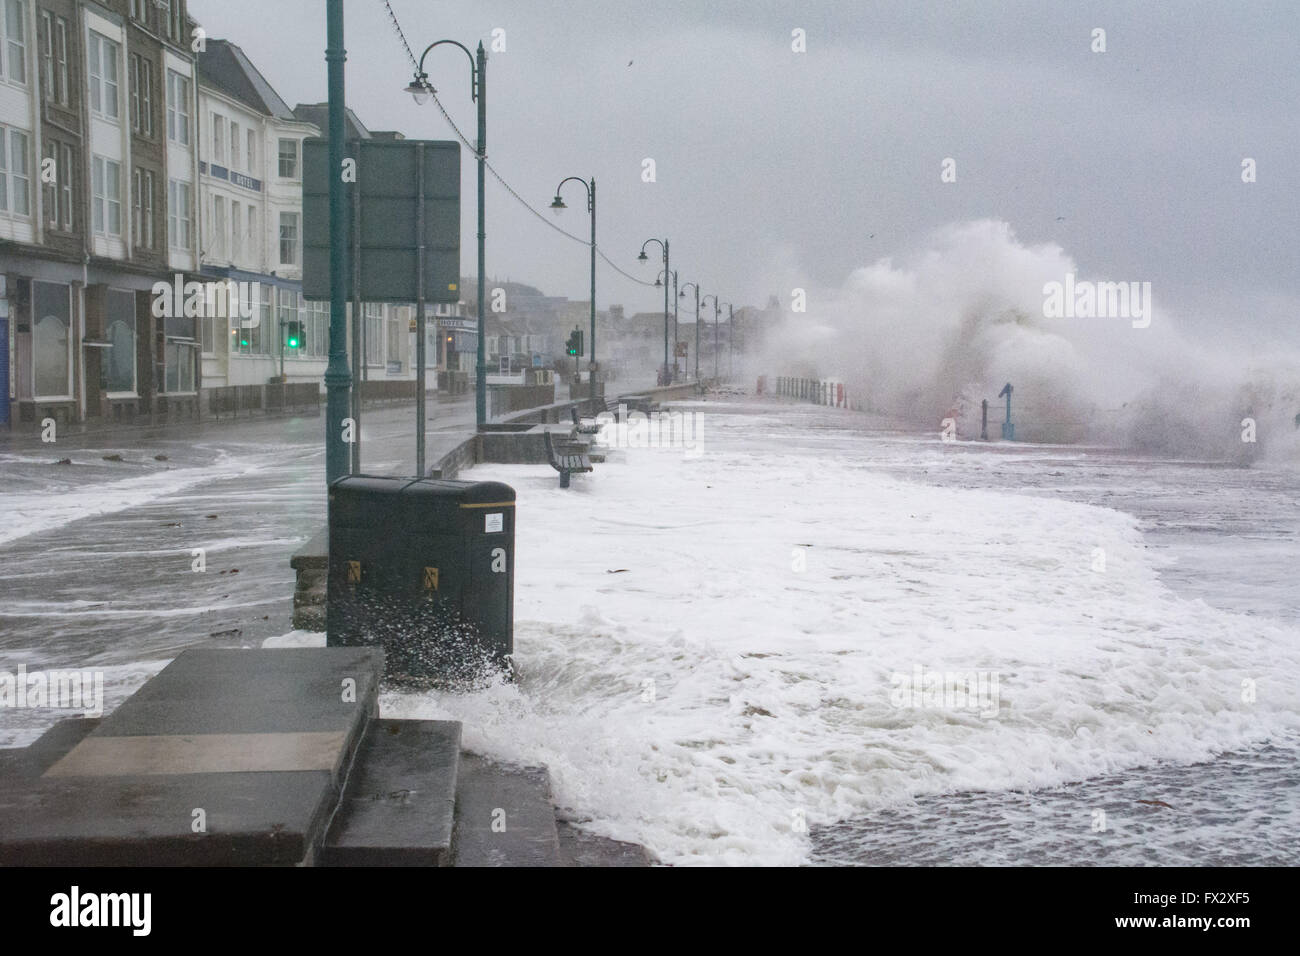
point(97, 556)
point(1227, 535)
point(698, 687)
point(115, 590)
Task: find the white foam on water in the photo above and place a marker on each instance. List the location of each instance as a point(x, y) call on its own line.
point(932, 333)
point(709, 699)
point(59, 503)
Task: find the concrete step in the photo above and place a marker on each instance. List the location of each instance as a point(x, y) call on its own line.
point(504, 815)
point(226, 758)
point(28, 763)
point(399, 803)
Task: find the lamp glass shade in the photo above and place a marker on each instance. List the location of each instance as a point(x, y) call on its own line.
point(418, 91)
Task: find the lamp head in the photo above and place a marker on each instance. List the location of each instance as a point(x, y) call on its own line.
point(557, 205)
point(643, 257)
point(419, 89)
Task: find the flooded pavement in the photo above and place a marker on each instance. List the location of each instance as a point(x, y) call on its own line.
point(101, 557)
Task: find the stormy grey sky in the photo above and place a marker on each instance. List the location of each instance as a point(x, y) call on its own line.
point(778, 168)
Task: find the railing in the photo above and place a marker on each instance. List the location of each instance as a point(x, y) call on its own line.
point(232, 401)
point(819, 391)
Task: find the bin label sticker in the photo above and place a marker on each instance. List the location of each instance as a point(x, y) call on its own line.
point(431, 579)
point(498, 560)
point(493, 522)
point(354, 572)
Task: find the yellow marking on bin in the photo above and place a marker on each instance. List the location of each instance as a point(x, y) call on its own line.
point(431, 579)
point(354, 572)
point(491, 504)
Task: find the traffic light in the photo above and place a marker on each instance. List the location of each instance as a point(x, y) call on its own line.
point(574, 345)
point(293, 335)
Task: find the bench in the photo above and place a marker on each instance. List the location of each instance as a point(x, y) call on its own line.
point(566, 458)
point(638, 403)
point(579, 426)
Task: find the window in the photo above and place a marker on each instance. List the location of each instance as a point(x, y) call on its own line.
point(252, 153)
point(137, 209)
point(103, 75)
point(224, 311)
point(65, 174)
point(172, 14)
point(148, 210)
point(106, 192)
point(61, 59)
point(246, 334)
point(52, 48)
point(260, 338)
point(15, 40)
point(373, 331)
point(45, 46)
point(50, 151)
point(141, 90)
point(318, 325)
point(254, 242)
point(58, 194)
point(178, 108)
point(396, 336)
point(134, 91)
point(234, 145)
point(146, 99)
point(288, 312)
point(235, 210)
point(15, 173)
point(140, 11)
point(179, 223)
point(218, 138)
point(120, 332)
point(289, 238)
point(288, 159)
point(218, 225)
point(180, 367)
point(51, 343)
point(142, 210)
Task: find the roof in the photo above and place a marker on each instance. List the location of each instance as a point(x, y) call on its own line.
point(225, 67)
point(319, 114)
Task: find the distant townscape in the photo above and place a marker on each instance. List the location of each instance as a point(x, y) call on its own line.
point(135, 153)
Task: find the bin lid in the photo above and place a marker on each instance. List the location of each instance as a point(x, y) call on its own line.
point(439, 505)
point(364, 500)
point(463, 492)
point(420, 505)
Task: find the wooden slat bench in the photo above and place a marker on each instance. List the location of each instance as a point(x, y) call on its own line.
point(566, 458)
point(580, 427)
